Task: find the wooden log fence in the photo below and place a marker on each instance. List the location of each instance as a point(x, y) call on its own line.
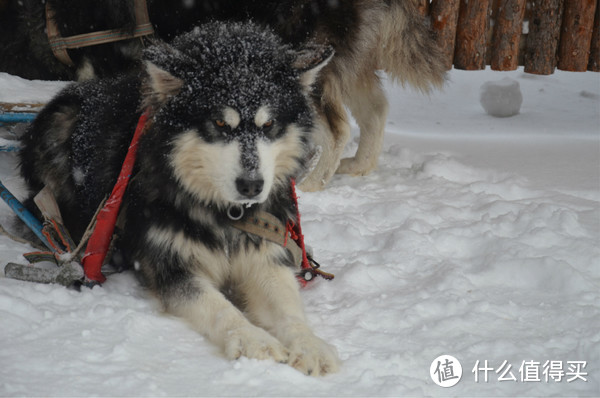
point(541, 35)
point(507, 35)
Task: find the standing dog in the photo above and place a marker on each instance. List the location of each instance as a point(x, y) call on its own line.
point(229, 126)
point(367, 35)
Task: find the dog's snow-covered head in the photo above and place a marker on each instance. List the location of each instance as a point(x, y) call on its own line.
point(231, 101)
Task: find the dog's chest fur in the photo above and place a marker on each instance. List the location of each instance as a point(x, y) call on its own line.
point(201, 243)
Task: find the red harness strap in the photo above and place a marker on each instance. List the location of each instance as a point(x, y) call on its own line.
point(97, 246)
point(295, 232)
point(310, 267)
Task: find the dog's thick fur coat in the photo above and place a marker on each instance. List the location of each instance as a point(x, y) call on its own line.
point(229, 126)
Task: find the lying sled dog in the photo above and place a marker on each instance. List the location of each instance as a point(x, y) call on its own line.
point(228, 129)
point(367, 35)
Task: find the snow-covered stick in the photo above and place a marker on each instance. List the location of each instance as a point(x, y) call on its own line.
point(64, 275)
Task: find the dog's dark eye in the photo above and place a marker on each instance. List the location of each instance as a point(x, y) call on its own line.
point(220, 123)
point(267, 127)
point(270, 129)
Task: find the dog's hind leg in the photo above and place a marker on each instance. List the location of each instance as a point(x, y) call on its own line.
point(405, 48)
point(209, 312)
point(273, 302)
point(369, 107)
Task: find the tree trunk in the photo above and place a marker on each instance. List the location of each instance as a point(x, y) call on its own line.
point(471, 35)
point(444, 19)
point(542, 41)
point(507, 35)
point(576, 35)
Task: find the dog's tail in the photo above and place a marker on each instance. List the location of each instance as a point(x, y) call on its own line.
point(407, 49)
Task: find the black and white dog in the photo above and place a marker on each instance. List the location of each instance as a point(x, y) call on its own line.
point(229, 126)
point(367, 35)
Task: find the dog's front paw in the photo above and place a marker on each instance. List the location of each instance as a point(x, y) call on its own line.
point(312, 356)
point(254, 342)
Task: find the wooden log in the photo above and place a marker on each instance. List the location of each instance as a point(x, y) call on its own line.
point(507, 35)
point(525, 33)
point(594, 64)
point(576, 35)
point(542, 40)
point(20, 107)
point(444, 18)
point(471, 34)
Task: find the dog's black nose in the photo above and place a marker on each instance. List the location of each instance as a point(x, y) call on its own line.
point(249, 188)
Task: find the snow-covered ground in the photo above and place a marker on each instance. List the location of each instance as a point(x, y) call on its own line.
point(477, 237)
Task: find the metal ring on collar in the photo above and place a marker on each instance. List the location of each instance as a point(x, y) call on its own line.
point(237, 214)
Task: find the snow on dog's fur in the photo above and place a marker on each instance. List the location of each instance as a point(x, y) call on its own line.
point(229, 127)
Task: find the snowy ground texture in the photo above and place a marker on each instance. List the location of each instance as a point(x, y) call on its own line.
point(478, 237)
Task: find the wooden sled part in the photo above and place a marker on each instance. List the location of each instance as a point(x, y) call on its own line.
point(20, 107)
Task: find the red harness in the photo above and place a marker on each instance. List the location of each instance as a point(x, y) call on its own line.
point(97, 246)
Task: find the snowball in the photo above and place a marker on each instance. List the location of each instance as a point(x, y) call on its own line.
point(501, 98)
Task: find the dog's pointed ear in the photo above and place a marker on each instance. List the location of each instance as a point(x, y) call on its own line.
point(310, 60)
point(160, 85)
